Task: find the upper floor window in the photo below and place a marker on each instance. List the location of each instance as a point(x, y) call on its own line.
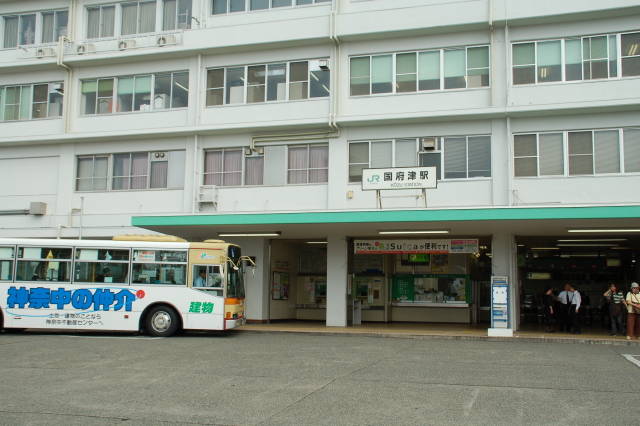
point(219, 7)
point(137, 17)
point(571, 59)
point(31, 101)
point(130, 171)
point(146, 92)
point(268, 82)
point(454, 157)
point(275, 165)
point(576, 153)
point(458, 68)
point(176, 15)
point(22, 29)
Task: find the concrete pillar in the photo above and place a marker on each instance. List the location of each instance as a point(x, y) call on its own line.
point(256, 284)
point(504, 263)
point(337, 281)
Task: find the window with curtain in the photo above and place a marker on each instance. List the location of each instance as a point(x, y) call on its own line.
point(101, 21)
point(307, 164)
point(580, 153)
point(525, 153)
point(467, 157)
point(429, 70)
point(176, 14)
point(455, 158)
point(254, 170)
point(551, 154)
point(54, 25)
point(524, 63)
point(11, 25)
point(631, 150)
point(479, 152)
point(91, 173)
point(379, 154)
point(606, 151)
point(138, 17)
point(27, 33)
point(630, 54)
point(358, 160)
point(130, 171)
point(549, 61)
point(223, 167)
point(220, 7)
point(31, 101)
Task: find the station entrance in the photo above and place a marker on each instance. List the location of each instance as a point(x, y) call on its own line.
point(590, 264)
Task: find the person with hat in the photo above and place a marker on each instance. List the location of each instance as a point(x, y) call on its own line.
point(633, 311)
point(615, 299)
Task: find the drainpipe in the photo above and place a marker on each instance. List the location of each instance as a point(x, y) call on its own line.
point(335, 98)
point(196, 176)
point(81, 217)
point(66, 100)
point(491, 53)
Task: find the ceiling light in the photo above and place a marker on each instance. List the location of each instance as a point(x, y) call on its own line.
point(586, 231)
point(441, 231)
point(317, 242)
point(545, 248)
point(249, 234)
point(587, 245)
point(599, 240)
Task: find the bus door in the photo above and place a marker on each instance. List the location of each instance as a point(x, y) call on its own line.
point(208, 278)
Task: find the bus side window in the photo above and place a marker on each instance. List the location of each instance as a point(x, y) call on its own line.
point(215, 277)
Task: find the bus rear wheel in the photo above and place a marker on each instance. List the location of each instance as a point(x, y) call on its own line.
point(161, 321)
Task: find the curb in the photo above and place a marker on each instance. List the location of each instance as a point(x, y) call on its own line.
point(514, 339)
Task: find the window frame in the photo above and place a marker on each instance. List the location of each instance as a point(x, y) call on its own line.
point(243, 171)
point(440, 149)
point(152, 94)
point(608, 37)
point(29, 259)
point(176, 23)
point(110, 173)
point(138, 3)
point(13, 264)
point(246, 84)
point(566, 155)
point(133, 261)
point(308, 169)
point(100, 8)
point(247, 6)
point(32, 102)
point(127, 262)
point(394, 74)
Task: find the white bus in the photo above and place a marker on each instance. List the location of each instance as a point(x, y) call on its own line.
point(135, 283)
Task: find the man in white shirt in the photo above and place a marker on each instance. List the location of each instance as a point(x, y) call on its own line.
point(570, 300)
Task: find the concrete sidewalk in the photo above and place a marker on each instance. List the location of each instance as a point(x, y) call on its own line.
point(439, 331)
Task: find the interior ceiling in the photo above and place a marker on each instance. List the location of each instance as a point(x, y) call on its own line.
point(527, 230)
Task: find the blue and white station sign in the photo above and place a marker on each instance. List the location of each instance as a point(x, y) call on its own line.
point(399, 178)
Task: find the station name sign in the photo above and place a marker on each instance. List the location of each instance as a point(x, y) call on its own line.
point(415, 246)
point(399, 178)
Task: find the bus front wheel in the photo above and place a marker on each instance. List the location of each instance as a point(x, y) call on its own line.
point(161, 321)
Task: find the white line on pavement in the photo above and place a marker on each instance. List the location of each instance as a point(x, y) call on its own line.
point(632, 358)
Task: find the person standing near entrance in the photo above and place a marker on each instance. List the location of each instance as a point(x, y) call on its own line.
point(633, 311)
point(615, 298)
point(570, 300)
point(548, 302)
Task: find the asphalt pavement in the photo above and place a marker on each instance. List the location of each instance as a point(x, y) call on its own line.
point(275, 378)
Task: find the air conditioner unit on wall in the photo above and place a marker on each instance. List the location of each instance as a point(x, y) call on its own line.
point(43, 52)
point(429, 144)
point(83, 48)
point(166, 39)
point(126, 44)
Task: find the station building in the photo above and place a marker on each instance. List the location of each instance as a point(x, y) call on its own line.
point(253, 120)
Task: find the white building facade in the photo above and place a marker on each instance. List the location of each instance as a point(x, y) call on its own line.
point(252, 120)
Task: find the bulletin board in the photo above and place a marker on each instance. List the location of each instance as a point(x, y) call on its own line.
point(280, 286)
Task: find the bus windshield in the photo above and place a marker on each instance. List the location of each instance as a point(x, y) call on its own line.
point(235, 277)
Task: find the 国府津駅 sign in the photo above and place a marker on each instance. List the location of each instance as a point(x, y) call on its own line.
point(399, 178)
point(415, 246)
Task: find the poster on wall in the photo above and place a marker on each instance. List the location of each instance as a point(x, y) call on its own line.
point(280, 286)
point(415, 246)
